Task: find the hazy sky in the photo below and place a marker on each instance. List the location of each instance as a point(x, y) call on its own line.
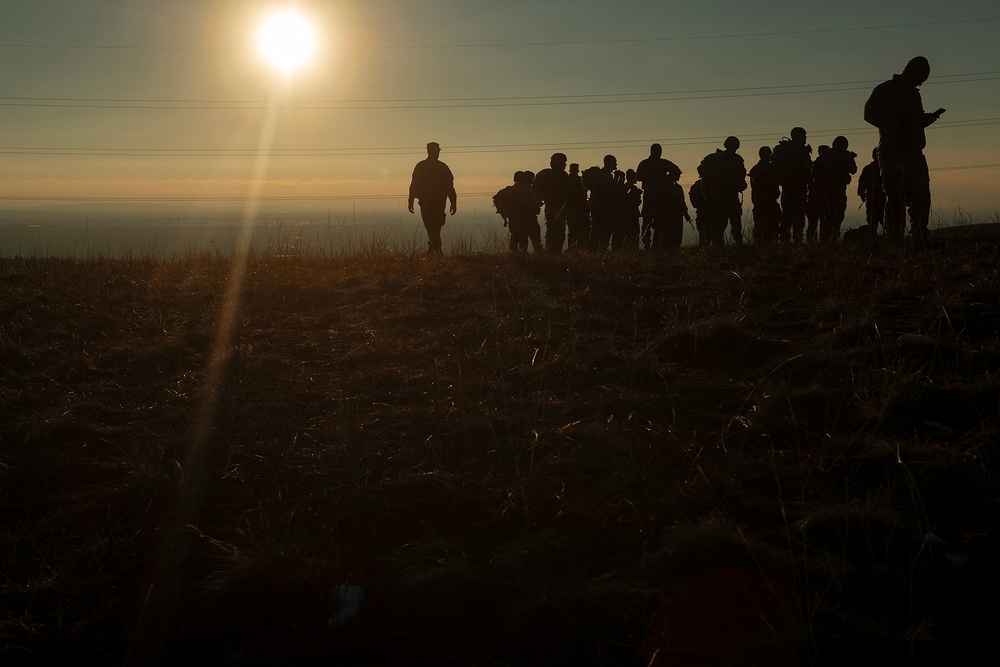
point(153, 99)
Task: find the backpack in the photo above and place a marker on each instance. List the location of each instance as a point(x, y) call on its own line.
point(697, 195)
point(787, 165)
point(504, 201)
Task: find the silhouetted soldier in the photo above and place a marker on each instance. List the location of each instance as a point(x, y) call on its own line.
point(577, 211)
point(669, 230)
point(605, 200)
point(832, 173)
point(793, 166)
point(696, 193)
point(656, 173)
point(724, 176)
point(812, 200)
point(626, 231)
point(551, 186)
point(871, 193)
point(896, 109)
point(433, 185)
point(764, 193)
point(519, 207)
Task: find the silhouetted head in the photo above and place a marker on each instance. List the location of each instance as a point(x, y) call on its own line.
point(610, 162)
point(558, 161)
point(875, 153)
point(840, 143)
point(529, 177)
point(630, 176)
point(765, 152)
point(656, 150)
point(574, 168)
point(822, 149)
point(433, 150)
point(518, 176)
point(798, 134)
point(917, 70)
point(731, 143)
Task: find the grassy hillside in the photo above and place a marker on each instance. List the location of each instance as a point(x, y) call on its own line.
point(776, 457)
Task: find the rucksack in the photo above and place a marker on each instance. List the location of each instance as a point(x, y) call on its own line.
point(697, 195)
point(503, 201)
point(786, 164)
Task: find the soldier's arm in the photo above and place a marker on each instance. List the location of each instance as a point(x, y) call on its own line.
point(452, 195)
point(413, 191)
point(932, 117)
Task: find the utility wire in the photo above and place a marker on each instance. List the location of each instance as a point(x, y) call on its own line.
point(494, 45)
point(994, 165)
point(42, 151)
point(964, 76)
point(457, 103)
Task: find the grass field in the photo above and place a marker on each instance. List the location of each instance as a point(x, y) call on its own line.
point(778, 457)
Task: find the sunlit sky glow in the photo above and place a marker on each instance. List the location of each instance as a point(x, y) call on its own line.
point(151, 100)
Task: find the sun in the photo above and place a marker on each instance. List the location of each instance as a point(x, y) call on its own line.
point(286, 40)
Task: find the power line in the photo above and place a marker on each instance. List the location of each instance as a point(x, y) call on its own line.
point(42, 151)
point(478, 103)
point(494, 45)
point(514, 98)
point(366, 197)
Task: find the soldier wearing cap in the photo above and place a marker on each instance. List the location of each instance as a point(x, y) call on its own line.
point(896, 109)
point(433, 185)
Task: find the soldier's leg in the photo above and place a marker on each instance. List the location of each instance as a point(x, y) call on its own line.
point(669, 234)
point(535, 235)
point(555, 228)
point(894, 186)
point(736, 221)
point(839, 213)
point(918, 196)
point(433, 217)
point(648, 221)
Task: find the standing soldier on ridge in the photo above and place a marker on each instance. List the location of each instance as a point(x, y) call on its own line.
point(870, 191)
point(724, 177)
point(577, 211)
point(764, 193)
point(812, 199)
point(627, 234)
point(519, 207)
point(433, 184)
point(896, 109)
point(552, 186)
point(605, 200)
point(656, 173)
point(832, 173)
point(793, 167)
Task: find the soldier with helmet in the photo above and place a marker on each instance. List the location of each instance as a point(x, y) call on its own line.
point(552, 187)
point(793, 167)
point(870, 192)
point(832, 173)
point(764, 193)
point(724, 176)
point(519, 208)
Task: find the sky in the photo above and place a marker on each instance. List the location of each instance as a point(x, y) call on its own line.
point(154, 103)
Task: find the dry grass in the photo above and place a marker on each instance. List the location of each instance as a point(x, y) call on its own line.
point(523, 460)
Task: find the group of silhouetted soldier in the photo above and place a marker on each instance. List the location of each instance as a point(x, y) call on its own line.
point(603, 208)
point(794, 197)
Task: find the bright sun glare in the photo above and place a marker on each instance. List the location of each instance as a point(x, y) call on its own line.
point(286, 40)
